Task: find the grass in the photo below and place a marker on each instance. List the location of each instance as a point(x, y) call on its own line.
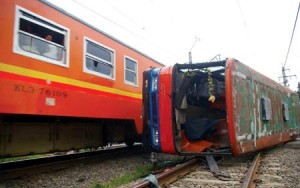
point(34, 156)
point(140, 171)
point(12, 159)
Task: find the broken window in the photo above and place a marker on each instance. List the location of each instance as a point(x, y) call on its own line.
point(99, 60)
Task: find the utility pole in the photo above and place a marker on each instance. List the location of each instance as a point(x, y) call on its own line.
point(284, 77)
point(190, 52)
point(285, 81)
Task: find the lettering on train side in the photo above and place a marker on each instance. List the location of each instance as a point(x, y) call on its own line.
point(25, 89)
point(40, 90)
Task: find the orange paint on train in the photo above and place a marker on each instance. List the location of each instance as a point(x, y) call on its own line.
point(71, 91)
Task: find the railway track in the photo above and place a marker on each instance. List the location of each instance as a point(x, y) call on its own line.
point(269, 171)
point(264, 169)
point(234, 168)
point(196, 173)
point(15, 169)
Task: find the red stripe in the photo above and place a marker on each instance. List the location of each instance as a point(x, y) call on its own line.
point(229, 104)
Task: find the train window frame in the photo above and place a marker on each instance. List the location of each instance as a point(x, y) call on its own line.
point(46, 25)
point(132, 83)
point(266, 108)
point(95, 58)
point(285, 111)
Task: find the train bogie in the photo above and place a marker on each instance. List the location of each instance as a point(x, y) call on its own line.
point(216, 108)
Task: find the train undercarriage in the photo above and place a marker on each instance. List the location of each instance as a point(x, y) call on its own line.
point(28, 134)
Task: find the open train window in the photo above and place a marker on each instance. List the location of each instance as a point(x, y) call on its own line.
point(130, 71)
point(266, 109)
point(40, 38)
point(99, 60)
point(285, 111)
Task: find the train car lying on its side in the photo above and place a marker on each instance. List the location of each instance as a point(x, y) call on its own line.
point(216, 108)
point(64, 84)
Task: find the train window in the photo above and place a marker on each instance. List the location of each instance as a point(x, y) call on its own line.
point(130, 71)
point(40, 38)
point(266, 109)
point(99, 60)
point(285, 111)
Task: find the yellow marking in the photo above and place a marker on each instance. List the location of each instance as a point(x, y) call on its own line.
point(45, 76)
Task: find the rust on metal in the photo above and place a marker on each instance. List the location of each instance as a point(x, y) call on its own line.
point(264, 111)
point(248, 181)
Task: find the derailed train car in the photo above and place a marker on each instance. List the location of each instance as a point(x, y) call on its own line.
point(65, 84)
point(216, 108)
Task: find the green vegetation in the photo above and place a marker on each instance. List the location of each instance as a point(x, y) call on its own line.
point(35, 156)
point(27, 157)
point(140, 171)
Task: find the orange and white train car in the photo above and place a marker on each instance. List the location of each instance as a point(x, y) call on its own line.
point(64, 84)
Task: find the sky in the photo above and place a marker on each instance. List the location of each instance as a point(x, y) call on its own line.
point(256, 32)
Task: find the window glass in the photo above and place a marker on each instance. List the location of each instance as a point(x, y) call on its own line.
point(98, 66)
point(266, 109)
point(130, 65)
point(99, 60)
point(42, 39)
point(131, 77)
point(130, 71)
point(26, 44)
point(98, 51)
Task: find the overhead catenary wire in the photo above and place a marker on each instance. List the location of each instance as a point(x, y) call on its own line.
point(108, 19)
point(245, 25)
point(287, 55)
point(124, 14)
point(242, 14)
point(130, 31)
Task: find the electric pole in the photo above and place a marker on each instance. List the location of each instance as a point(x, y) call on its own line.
point(190, 52)
point(284, 77)
point(285, 81)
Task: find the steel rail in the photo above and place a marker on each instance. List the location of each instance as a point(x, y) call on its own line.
point(248, 181)
point(170, 175)
point(15, 169)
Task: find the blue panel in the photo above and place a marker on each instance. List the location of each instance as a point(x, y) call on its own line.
point(153, 109)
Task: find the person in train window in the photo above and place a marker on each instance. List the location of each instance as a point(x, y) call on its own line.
point(26, 44)
point(50, 50)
